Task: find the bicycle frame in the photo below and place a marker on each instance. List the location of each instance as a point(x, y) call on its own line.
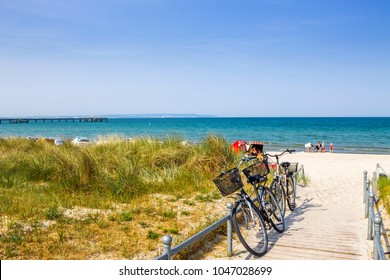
point(258, 189)
point(243, 198)
point(278, 174)
point(282, 178)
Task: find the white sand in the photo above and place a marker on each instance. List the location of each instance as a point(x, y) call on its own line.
point(334, 198)
point(328, 222)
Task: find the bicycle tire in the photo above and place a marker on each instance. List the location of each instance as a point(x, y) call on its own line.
point(253, 237)
point(277, 189)
point(271, 210)
point(291, 193)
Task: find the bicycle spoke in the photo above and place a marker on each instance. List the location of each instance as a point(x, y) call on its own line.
point(250, 229)
point(272, 210)
point(277, 189)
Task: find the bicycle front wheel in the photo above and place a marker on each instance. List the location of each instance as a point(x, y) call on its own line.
point(291, 193)
point(250, 228)
point(277, 189)
point(272, 210)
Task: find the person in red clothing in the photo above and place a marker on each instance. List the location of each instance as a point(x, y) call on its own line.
point(323, 147)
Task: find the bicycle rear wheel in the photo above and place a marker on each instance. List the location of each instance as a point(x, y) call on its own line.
point(272, 210)
point(277, 189)
point(291, 193)
point(250, 228)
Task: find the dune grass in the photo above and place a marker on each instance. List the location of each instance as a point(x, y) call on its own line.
point(384, 192)
point(113, 200)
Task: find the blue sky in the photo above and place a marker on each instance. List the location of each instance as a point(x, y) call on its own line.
point(226, 58)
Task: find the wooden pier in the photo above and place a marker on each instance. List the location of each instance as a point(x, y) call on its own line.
point(51, 120)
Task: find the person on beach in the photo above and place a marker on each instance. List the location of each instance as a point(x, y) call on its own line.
point(308, 147)
point(331, 147)
point(317, 146)
point(323, 147)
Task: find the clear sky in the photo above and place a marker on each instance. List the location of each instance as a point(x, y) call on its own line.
point(219, 57)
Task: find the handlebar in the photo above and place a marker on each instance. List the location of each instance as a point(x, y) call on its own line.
point(246, 159)
point(278, 155)
point(249, 158)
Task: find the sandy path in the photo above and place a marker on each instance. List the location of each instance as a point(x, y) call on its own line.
point(328, 222)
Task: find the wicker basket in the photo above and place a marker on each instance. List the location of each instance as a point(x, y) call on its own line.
point(229, 181)
point(258, 168)
point(292, 168)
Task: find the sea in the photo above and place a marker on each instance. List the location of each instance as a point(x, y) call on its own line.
point(366, 135)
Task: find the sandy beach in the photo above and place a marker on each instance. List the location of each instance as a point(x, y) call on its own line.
point(328, 222)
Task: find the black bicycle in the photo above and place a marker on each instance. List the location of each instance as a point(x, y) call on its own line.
point(264, 198)
point(251, 216)
point(246, 218)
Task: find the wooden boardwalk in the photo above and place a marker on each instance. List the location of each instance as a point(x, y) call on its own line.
point(334, 238)
point(328, 223)
point(307, 239)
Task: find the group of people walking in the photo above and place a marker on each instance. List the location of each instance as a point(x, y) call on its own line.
point(319, 147)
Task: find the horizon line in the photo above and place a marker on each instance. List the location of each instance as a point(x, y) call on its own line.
point(168, 115)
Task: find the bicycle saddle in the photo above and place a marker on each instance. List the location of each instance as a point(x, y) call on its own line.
point(285, 164)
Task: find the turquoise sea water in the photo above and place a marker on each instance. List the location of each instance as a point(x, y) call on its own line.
point(348, 135)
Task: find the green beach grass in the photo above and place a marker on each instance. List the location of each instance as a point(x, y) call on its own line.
point(384, 192)
point(113, 200)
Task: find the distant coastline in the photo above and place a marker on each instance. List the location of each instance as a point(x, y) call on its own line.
point(151, 116)
point(168, 115)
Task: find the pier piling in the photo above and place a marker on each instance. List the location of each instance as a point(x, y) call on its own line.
point(51, 120)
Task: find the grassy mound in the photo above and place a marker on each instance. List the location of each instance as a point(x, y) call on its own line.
point(110, 200)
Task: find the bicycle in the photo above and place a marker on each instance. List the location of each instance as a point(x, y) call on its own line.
point(283, 185)
point(264, 199)
point(249, 218)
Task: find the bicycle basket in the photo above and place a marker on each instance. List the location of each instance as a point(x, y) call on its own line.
point(258, 168)
point(292, 168)
point(229, 181)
